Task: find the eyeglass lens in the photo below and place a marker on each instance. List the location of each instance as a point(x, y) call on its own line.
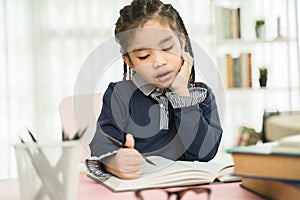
point(185, 194)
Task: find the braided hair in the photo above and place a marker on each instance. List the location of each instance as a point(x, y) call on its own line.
point(138, 13)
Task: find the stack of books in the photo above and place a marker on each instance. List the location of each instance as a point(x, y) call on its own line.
point(230, 22)
point(270, 169)
point(239, 70)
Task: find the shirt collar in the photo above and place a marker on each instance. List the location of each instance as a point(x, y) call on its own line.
point(142, 84)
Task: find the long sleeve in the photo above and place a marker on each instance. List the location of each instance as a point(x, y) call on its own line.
point(108, 122)
point(194, 130)
point(111, 121)
point(198, 127)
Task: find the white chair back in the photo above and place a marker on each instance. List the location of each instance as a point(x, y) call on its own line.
point(79, 112)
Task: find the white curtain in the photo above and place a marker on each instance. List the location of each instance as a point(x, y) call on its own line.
point(42, 46)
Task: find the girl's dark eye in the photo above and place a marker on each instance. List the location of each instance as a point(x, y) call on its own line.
point(169, 48)
point(143, 57)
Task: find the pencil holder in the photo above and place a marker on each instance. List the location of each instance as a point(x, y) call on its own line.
point(48, 171)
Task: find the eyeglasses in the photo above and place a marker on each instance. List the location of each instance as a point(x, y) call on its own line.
point(183, 194)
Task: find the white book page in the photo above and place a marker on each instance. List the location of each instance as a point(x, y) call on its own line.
point(169, 173)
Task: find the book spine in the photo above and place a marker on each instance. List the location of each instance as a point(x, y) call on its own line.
point(238, 23)
point(235, 23)
point(229, 60)
point(226, 19)
point(244, 70)
point(237, 72)
point(249, 61)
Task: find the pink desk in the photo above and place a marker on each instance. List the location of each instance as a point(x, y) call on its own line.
point(88, 189)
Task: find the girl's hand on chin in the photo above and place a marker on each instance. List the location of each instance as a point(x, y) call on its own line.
point(180, 83)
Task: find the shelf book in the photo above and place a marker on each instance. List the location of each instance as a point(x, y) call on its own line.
point(229, 22)
point(168, 173)
point(264, 161)
point(273, 189)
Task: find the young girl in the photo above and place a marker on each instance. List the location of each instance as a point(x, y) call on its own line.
point(160, 110)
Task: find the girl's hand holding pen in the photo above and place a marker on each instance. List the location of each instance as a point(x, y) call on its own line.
point(126, 163)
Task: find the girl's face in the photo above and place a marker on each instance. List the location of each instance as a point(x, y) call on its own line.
point(155, 53)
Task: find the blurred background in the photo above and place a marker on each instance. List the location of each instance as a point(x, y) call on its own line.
point(44, 43)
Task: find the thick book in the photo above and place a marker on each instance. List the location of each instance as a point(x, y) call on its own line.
point(273, 189)
point(235, 25)
point(168, 173)
point(246, 70)
point(249, 56)
point(237, 72)
point(263, 161)
point(230, 75)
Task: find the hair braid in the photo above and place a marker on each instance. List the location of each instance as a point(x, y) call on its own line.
point(124, 71)
point(188, 45)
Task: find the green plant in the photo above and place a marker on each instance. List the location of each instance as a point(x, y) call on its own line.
point(263, 71)
point(260, 22)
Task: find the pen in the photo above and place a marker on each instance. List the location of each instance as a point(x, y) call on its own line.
point(121, 145)
point(78, 135)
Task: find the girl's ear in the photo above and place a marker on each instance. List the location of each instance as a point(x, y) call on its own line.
point(127, 60)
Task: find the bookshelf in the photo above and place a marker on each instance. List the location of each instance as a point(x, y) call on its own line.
point(233, 27)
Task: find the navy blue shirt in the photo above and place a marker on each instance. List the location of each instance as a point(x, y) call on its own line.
point(160, 123)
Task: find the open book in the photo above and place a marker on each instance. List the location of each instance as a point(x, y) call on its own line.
point(168, 173)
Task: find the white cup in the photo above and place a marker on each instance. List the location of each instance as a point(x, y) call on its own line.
point(48, 171)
